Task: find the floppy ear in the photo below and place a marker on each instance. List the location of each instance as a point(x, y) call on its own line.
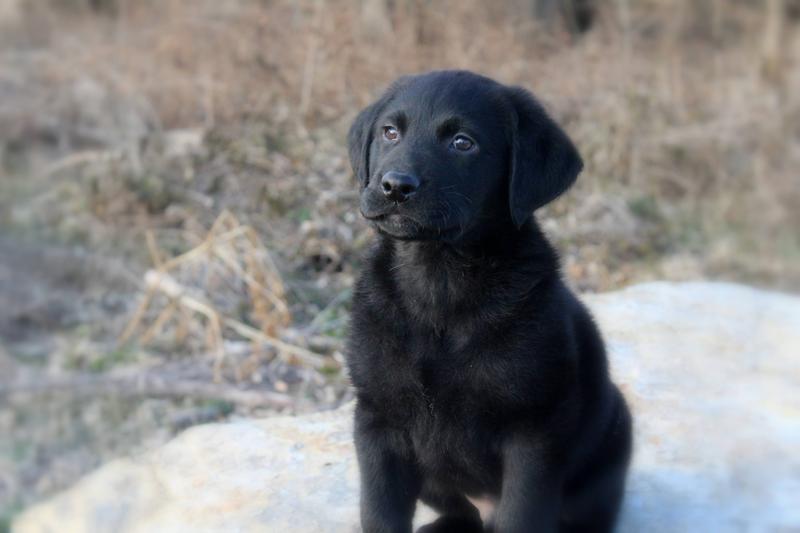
point(359, 139)
point(544, 162)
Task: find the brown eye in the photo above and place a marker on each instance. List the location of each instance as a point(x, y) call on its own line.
point(462, 143)
point(390, 133)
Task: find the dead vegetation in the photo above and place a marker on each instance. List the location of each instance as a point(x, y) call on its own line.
point(193, 286)
point(687, 107)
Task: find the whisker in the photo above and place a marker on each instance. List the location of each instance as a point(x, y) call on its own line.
point(469, 200)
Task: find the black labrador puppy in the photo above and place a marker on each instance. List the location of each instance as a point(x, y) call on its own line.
point(478, 374)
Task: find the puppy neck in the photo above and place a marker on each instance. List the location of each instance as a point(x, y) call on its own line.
point(446, 278)
point(504, 243)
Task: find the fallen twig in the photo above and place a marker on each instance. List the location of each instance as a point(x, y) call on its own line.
point(239, 250)
point(140, 385)
point(163, 282)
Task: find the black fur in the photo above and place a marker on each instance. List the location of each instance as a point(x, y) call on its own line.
point(477, 372)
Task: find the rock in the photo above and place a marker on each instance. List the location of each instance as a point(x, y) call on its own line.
point(10, 13)
point(711, 372)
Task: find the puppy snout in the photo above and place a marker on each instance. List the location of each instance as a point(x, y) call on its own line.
point(399, 187)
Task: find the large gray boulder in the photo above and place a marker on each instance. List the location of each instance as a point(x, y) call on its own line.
point(712, 372)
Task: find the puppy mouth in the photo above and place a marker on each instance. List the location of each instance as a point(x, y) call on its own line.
point(407, 228)
point(387, 214)
point(374, 217)
point(394, 222)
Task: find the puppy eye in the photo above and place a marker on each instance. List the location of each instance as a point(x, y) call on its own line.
point(462, 143)
point(390, 133)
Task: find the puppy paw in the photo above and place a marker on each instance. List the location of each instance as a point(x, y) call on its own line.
point(452, 524)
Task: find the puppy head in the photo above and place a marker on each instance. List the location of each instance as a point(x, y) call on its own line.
point(451, 155)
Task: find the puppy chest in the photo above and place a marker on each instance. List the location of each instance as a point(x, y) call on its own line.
point(458, 449)
point(452, 433)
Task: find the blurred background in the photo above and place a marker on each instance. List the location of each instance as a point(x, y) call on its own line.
point(178, 232)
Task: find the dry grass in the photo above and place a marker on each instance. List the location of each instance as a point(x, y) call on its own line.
point(230, 270)
point(692, 104)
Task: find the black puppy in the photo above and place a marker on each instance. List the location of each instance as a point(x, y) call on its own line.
point(478, 373)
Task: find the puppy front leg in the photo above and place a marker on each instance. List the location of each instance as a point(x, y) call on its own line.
point(390, 483)
point(531, 491)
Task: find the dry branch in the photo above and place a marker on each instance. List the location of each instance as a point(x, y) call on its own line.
point(160, 281)
point(246, 262)
point(141, 385)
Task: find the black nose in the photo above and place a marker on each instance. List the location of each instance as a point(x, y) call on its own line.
point(399, 187)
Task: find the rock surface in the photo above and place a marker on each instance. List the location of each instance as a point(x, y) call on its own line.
point(711, 371)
